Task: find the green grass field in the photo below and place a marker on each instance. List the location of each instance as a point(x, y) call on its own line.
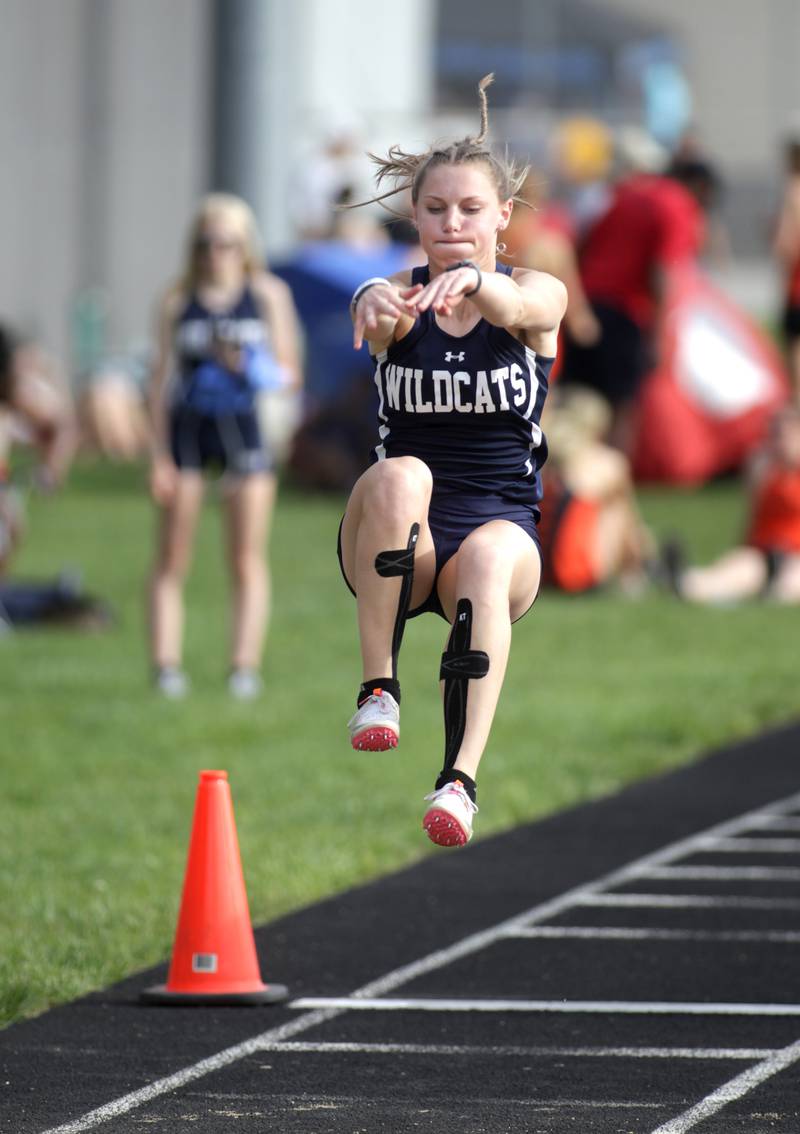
point(99, 775)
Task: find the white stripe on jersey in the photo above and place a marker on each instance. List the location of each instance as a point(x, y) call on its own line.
point(536, 431)
point(383, 428)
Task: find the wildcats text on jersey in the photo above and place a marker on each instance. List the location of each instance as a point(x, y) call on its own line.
point(410, 390)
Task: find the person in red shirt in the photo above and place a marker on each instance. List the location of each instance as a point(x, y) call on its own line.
point(543, 236)
point(651, 228)
point(767, 563)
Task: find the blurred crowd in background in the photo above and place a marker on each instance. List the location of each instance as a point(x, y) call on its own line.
point(661, 377)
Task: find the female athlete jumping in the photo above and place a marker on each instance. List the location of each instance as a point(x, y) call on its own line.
point(445, 518)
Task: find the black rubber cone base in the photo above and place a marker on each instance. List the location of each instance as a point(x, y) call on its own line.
point(269, 994)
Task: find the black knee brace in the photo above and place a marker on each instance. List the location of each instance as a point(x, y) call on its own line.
point(459, 664)
point(390, 564)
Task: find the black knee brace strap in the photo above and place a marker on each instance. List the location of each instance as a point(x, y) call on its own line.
point(390, 564)
point(459, 664)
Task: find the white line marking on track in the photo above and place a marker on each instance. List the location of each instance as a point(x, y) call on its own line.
point(746, 846)
point(501, 1052)
point(634, 933)
point(688, 901)
point(579, 895)
point(735, 1089)
point(188, 1075)
point(770, 821)
point(358, 1003)
point(726, 873)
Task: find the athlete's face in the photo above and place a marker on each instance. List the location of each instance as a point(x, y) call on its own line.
point(220, 250)
point(459, 214)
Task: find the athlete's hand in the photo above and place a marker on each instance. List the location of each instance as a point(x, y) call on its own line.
point(163, 480)
point(382, 301)
point(446, 291)
point(229, 355)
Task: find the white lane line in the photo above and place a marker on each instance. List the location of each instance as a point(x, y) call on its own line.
point(358, 1003)
point(771, 822)
point(187, 1075)
point(686, 901)
point(725, 873)
point(633, 933)
point(431, 963)
point(746, 846)
point(503, 1051)
point(735, 1089)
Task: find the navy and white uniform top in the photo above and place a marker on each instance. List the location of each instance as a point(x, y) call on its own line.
point(468, 406)
point(196, 327)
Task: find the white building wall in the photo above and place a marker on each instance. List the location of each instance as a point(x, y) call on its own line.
point(103, 137)
point(40, 138)
point(158, 156)
point(105, 123)
point(345, 62)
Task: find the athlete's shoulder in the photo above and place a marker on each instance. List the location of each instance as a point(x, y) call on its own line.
point(173, 301)
point(268, 287)
point(535, 277)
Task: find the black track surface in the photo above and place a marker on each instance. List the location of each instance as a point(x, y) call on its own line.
point(481, 1072)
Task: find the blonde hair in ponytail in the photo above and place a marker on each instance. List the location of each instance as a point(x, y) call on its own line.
point(408, 170)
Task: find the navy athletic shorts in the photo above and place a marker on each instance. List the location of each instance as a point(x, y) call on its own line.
point(616, 364)
point(233, 442)
point(451, 518)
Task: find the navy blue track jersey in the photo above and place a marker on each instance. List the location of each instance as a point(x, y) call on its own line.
point(202, 381)
point(468, 406)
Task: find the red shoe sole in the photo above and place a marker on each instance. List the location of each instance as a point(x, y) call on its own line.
point(442, 829)
point(374, 740)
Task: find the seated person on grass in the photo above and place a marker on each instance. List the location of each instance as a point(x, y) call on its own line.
point(767, 562)
point(592, 533)
point(35, 409)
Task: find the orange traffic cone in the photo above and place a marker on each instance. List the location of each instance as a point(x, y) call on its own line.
point(214, 957)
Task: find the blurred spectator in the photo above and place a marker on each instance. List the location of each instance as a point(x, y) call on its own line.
point(36, 410)
point(326, 177)
point(541, 235)
point(786, 248)
point(355, 227)
point(112, 408)
point(767, 563)
point(582, 158)
point(651, 228)
point(697, 173)
point(227, 330)
point(329, 450)
point(591, 531)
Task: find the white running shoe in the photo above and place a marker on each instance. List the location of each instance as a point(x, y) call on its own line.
point(376, 724)
point(244, 684)
point(448, 820)
point(172, 682)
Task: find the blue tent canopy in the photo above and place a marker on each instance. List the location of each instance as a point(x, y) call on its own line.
point(323, 278)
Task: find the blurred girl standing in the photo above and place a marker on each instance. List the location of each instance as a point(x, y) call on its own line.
point(226, 331)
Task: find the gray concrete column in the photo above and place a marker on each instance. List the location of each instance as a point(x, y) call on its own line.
point(256, 68)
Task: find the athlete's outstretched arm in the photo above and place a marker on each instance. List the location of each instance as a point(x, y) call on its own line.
point(531, 301)
point(382, 312)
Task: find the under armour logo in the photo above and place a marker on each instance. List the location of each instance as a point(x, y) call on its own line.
point(458, 357)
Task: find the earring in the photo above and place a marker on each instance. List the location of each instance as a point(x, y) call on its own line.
point(501, 248)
